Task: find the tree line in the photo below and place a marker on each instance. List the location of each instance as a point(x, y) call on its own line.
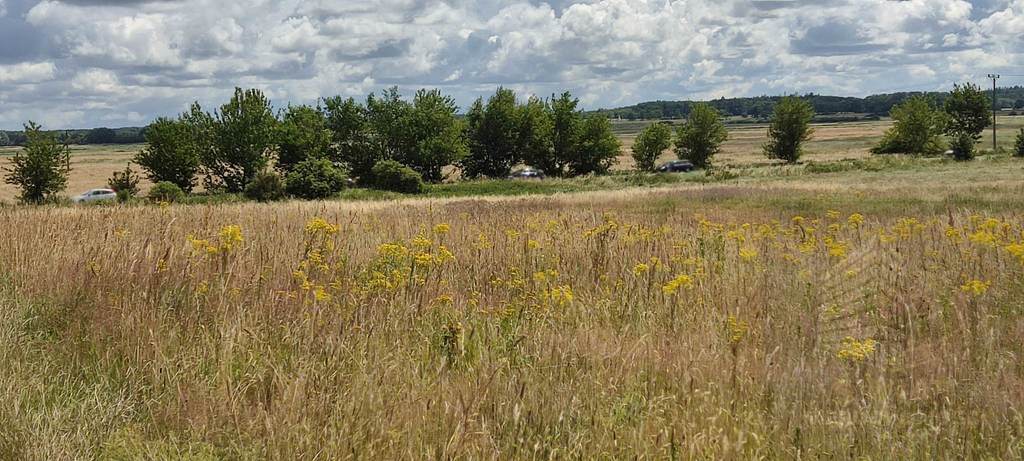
point(762, 106)
point(395, 144)
point(126, 135)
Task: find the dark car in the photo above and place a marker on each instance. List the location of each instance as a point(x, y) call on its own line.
point(527, 173)
point(676, 166)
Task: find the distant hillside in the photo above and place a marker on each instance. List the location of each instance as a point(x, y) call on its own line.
point(761, 106)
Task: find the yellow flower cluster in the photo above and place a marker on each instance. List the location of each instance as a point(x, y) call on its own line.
point(230, 238)
point(735, 330)
point(681, 281)
point(975, 287)
point(855, 351)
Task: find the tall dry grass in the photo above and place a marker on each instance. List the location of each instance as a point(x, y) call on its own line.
point(600, 326)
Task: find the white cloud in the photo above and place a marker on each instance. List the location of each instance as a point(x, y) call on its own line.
point(28, 72)
point(108, 57)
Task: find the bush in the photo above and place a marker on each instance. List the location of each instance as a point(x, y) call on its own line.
point(126, 183)
point(393, 176)
point(963, 146)
point(315, 179)
point(166, 191)
point(917, 127)
point(267, 186)
point(1018, 145)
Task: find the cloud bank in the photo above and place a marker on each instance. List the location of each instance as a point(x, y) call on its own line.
point(86, 63)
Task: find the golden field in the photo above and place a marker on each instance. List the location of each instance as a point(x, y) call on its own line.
point(857, 314)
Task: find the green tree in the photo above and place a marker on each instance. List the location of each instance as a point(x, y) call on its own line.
point(917, 129)
point(536, 131)
point(4, 139)
point(967, 108)
point(41, 169)
point(566, 123)
point(701, 137)
point(302, 134)
point(493, 131)
point(351, 136)
point(170, 154)
point(430, 135)
point(790, 127)
point(243, 140)
point(649, 145)
point(598, 148)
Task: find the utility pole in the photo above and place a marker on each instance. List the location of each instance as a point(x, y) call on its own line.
point(994, 77)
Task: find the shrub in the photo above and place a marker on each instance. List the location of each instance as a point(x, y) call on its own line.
point(41, 169)
point(1018, 145)
point(649, 145)
point(917, 127)
point(126, 183)
point(315, 179)
point(393, 176)
point(701, 137)
point(790, 127)
point(267, 186)
point(166, 191)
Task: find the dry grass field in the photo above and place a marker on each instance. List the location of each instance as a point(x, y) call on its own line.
point(856, 315)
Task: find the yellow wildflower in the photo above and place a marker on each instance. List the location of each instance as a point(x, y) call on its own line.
point(856, 351)
point(855, 220)
point(748, 254)
point(640, 269)
point(320, 225)
point(442, 229)
point(735, 329)
point(975, 287)
point(682, 281)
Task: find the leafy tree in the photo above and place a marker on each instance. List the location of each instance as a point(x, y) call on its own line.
point(315, 179)
point(598, 148)
point(430, 135)
point(1018, 145)
point(351, 136)
point(701, 137)
point(917, 129)
point(649, 145)
point(101, 136)
point(493, 131)
point(536, 131)
point(125, 183)
point(170, 154)
point(243, 138)
point(302, 134)
point(41, 169)
point(5, 140)
point(566, 123)
point(790, 127)
point(967, 108)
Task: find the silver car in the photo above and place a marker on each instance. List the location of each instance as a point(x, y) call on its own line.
point(96, 195)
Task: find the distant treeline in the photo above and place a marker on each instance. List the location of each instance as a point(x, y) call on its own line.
point(761, 107)
point(128, 135)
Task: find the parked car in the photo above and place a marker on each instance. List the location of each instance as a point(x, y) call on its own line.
point(527, 173)
point(676, 166)
point(96, 195)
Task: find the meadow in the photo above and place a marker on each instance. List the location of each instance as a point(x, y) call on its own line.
point(812, 311)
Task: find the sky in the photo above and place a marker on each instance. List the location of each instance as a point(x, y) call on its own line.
point(89, 63)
